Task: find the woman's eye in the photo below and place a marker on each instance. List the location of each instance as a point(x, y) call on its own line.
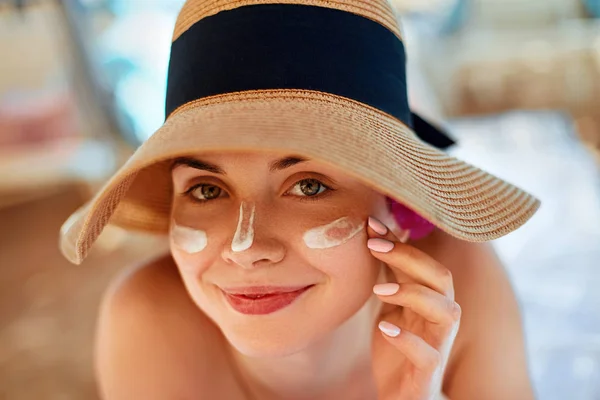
point(308, 187)
point(205, 192)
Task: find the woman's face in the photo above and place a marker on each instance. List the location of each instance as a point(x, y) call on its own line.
point(273, 247)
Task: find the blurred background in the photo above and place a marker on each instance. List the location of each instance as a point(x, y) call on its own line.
point(82, 83)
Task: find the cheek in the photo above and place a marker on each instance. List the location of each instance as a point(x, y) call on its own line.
point(351, 272)
point(349, 264)
point(192, 269)
point(190, 249)
point(191, 266)
point(188, 240)
point(333, 234)
point(340, 251)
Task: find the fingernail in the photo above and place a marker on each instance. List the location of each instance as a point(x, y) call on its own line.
point(377, 226)
point(389, 329)
point(386, 289)
point(380, 245)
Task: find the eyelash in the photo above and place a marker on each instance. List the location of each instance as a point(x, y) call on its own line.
point(188, 192)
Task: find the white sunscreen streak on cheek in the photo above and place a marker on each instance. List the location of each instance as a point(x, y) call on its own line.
point(244, 234)
point(327, 236)
point(187, 239)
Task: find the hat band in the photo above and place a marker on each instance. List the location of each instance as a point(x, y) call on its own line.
point(289, 46)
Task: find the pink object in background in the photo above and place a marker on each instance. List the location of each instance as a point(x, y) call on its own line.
point(35, 118)
point(408, 219)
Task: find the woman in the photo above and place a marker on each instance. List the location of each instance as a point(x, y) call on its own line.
point(284, 178)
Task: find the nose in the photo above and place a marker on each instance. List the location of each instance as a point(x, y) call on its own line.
point(263, 252)
point(251, 245)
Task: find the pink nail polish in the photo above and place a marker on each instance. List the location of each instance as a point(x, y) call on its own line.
point(389, 329)
point(377, 226)
point(386, 289)
point(380, 245)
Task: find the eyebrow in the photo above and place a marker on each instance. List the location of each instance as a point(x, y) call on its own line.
point(277, 165)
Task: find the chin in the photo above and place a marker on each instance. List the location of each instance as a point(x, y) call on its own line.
point(275, 335)
point(293, 330)
point(273, 344)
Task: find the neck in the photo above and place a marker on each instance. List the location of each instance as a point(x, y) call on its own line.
point(336, 366)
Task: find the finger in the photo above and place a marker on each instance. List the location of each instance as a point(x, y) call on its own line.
point(422, 355)
point(378, 228)
point(414, 263)
point(411, 261)
point(426, 302)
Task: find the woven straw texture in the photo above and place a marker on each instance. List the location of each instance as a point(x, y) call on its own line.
point(364, 142)
point(379, 11)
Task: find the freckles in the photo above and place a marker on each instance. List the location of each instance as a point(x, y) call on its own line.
point(244, 234)
point(187, 239)
point(332, 235)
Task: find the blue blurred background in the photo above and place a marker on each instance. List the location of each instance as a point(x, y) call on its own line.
point(82, 83)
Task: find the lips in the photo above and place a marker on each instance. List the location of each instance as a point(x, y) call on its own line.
point(261, 300)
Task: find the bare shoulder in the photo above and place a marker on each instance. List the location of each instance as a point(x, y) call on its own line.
point(152, 341)
point(152, 287)
point(153, 293)
point(476, 270)
point(489, 350)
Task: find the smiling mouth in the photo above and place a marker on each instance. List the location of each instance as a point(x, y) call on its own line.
point(262, 300)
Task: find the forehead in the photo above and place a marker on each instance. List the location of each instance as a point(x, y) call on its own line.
point(247, 157)
point(272, 161)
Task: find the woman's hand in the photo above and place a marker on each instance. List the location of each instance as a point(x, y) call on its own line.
point(420, 319)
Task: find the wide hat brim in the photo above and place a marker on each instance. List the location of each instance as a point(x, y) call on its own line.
point(363, 141)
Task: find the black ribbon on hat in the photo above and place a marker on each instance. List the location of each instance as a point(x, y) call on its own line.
point(291, 46)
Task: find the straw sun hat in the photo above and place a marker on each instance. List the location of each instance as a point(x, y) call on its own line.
point(324, 79)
